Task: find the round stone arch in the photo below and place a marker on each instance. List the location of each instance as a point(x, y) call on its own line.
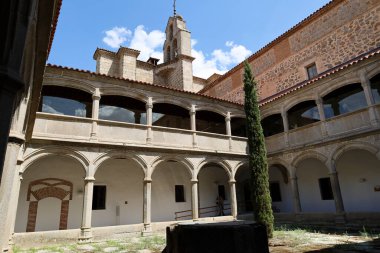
point(284, 168)
point(55, 151)
point(212, 108)
point(114, 155)
point(297, 100)
point(345, 147)
point(371, 74)
point(70, 83)
point(182, 160)
point(270, 113)
point(118, 91)
point(216, 161)
point(237, 167)
point(169, 100)
point(306, 155)
point(341, 84)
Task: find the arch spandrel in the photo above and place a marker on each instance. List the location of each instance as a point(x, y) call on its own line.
point(182, 160)
point(219, 162)
point(309, 155)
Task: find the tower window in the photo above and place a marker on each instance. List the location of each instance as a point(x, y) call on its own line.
point(275, 191)
point(99, 197)
point(180, 193)
point(325, 188)
point(312, 71)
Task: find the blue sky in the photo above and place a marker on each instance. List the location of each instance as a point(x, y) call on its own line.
point(224, 32)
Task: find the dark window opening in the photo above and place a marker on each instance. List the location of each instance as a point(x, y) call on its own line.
point(272, 125)
point(239, 127)
point(325, 188)
point(375, 87)
point(65, 101)
point(169, 115)
point(211, 122)
point(179, 193)
point(123, 109)
point(275, 191)
point(303, 114)
point(222, 192)
point(99, 197)
point(312, 71)
point(344, 100)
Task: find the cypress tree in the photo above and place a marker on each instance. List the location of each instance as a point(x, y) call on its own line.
point(261, 200)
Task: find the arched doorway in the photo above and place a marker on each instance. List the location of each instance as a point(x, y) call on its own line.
point(314, 186)
point(280, 189)
point(51, 195)
point(359, 175)
point(118, 193)
point(243, 190)
point(213, 182)
point(171, 191)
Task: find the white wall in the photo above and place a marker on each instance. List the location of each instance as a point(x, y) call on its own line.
point(48, 211)
point(308, 173)
point(359, 173)
point(208, 180)
point(124, 181)
point(285, 206)
point(164, 178)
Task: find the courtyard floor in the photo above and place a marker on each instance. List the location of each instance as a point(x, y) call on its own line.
point(285, 240)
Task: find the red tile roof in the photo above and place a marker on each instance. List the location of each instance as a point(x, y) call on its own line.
point(54, 25)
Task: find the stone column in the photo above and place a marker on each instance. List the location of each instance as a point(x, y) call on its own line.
point(149, 120)
point(193, 125)
point(14, 203)
point(194, 199)
point(335, 186)
point(285, 122)
point(234, 210)
point(228, 129)
point(9, 187)
point(86, 233)
point(95, 113)
point(147, 205)
point(322, 116)
point(366, 84)
point(296, 195)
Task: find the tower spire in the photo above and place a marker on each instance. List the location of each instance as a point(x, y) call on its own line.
point(174, 8)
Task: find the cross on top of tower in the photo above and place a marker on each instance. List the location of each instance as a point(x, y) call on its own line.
point(174, 8)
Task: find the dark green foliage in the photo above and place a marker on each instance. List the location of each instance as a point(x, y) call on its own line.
point(262, 203)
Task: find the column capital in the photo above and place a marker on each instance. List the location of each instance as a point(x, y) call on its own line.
point(319, 101)
point(228, 117)
point(96, 95)
point(149, 106)
point(232, 181)
point(89, 179)
point(147, 180)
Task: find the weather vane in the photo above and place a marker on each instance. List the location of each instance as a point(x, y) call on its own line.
point(175, 11)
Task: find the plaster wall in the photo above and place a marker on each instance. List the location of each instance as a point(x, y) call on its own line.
point(49, 208)
point(285, 205)
point(308, 173)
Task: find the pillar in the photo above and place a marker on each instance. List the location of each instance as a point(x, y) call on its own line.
point(366, 84)
point(233, 199)
point(14, 203)
point(285, 122)
point(194, 199)
point(228, 129)
point(193, 125)
point(9, 187)
point(147, 215)
point(322, 116)
point(149, 120)
point(86, 233)
point(295, 195)
point(95, 113)
point(335, 186)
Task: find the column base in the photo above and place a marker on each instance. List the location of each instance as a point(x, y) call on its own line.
point(340, 219)
point(85, 235)
point(147, 230)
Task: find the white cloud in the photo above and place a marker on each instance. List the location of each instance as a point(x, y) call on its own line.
point(150, 45)
point(116, 36)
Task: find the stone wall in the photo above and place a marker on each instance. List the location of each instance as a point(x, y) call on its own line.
point(343, 32)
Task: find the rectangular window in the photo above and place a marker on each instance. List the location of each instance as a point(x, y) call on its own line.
point(312, 71)
point(222, 191)
point(179, 193)
point(275, 192)
point(99, 197)
point(325, 188)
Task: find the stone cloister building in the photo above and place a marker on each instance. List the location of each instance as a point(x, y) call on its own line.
point(137, 145)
